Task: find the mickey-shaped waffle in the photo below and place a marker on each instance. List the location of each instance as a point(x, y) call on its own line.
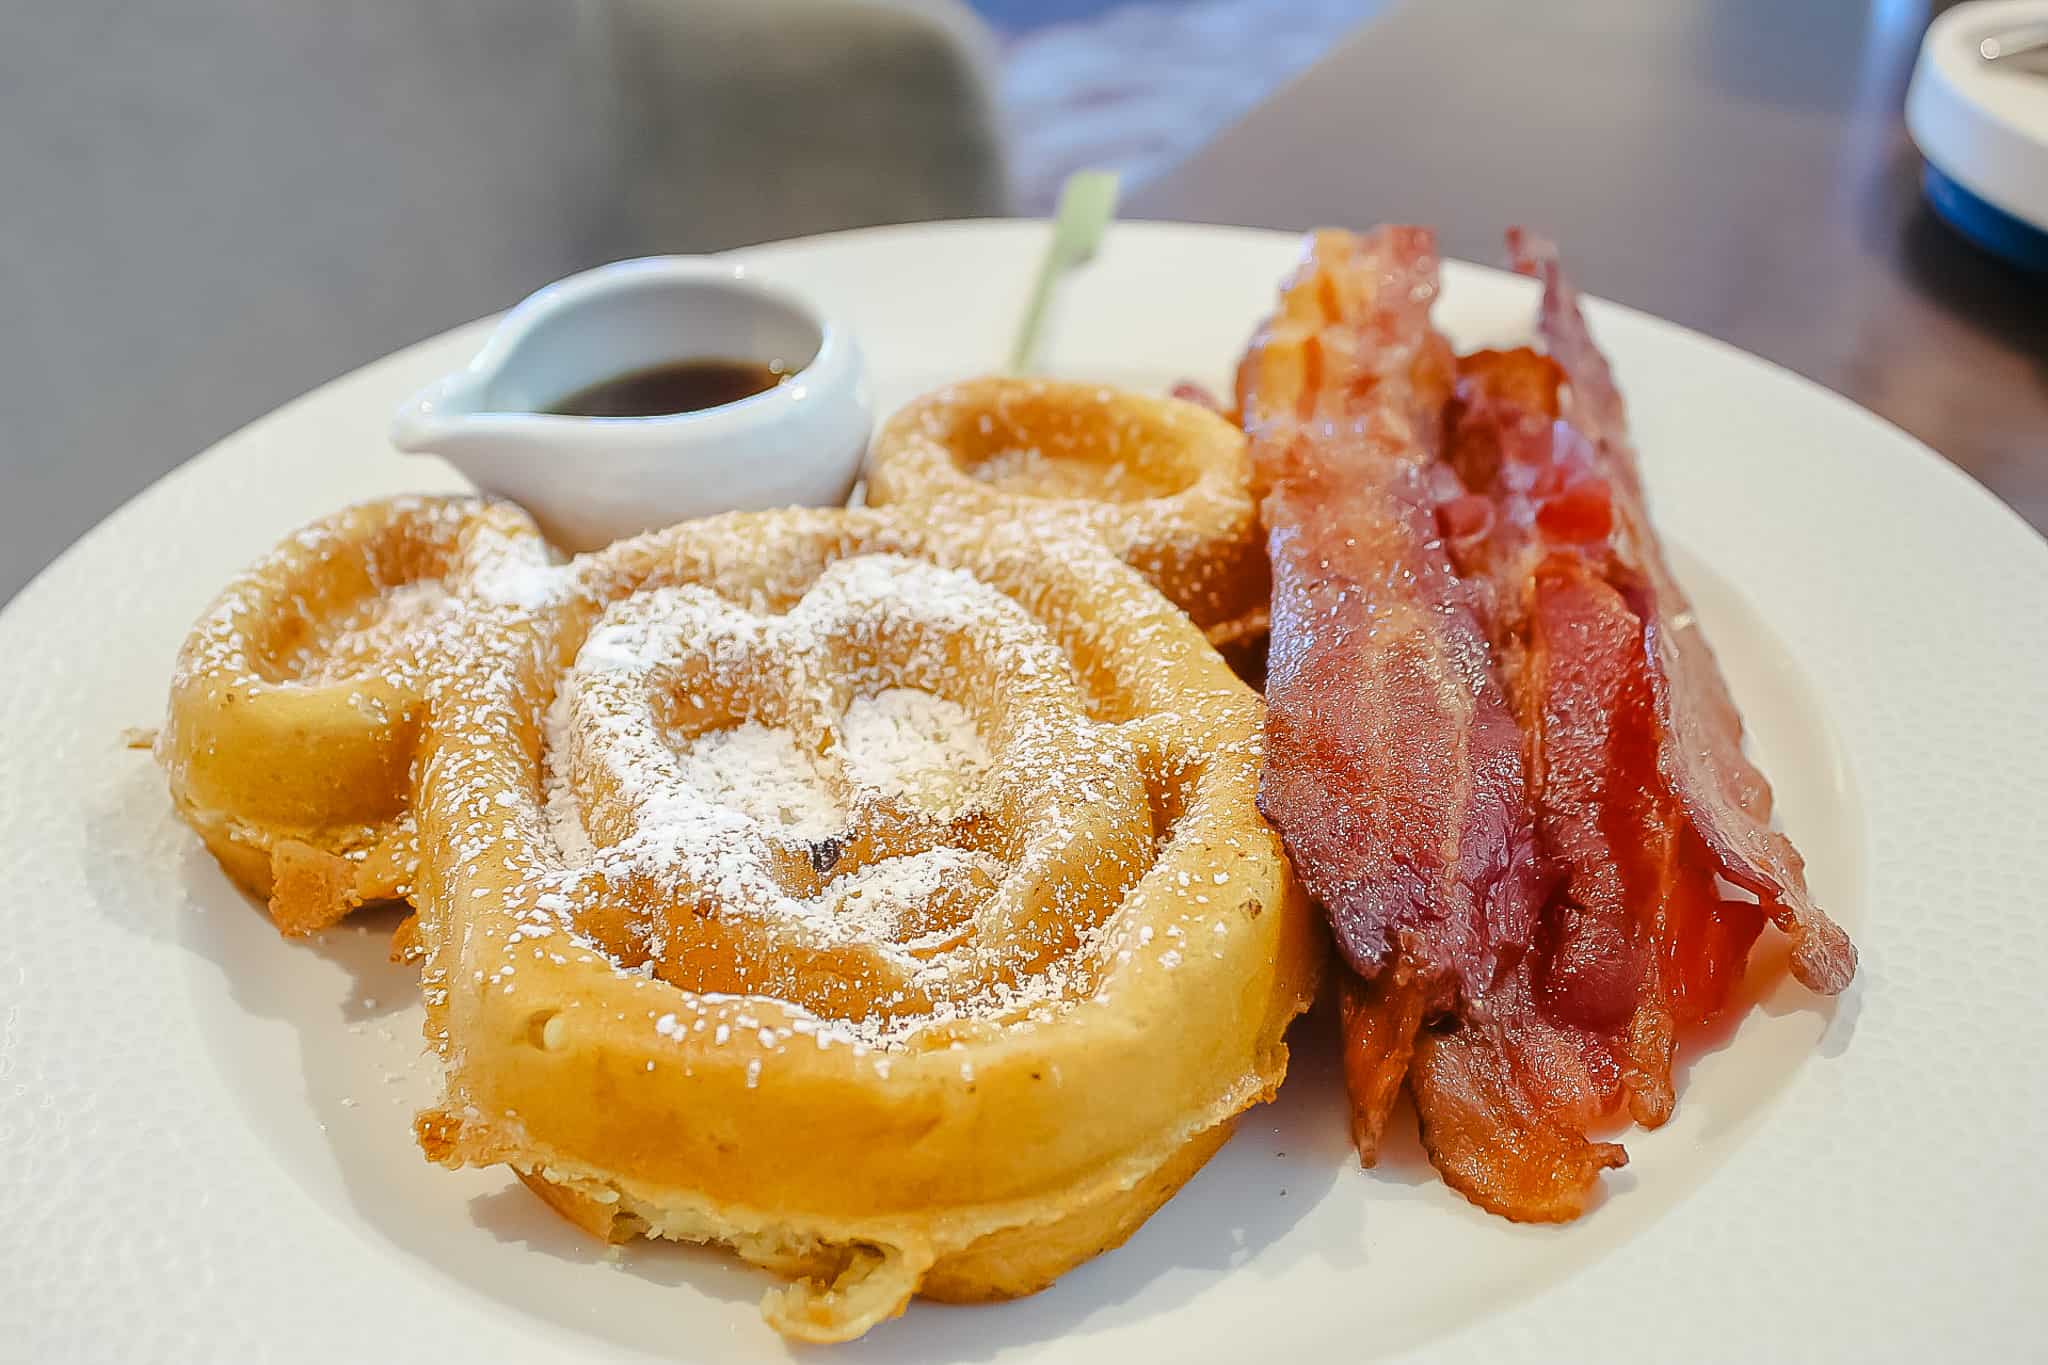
point(879, 894)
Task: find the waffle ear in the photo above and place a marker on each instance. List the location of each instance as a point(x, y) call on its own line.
point(1167, 485)
point(295, 709)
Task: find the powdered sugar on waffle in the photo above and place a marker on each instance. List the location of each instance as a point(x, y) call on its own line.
point(496, 567)
point(900, 742)
point(502, 570)
point(396, 624)
point(558, 798)
point(759, 771)
point(904, 741)
point(714, 811)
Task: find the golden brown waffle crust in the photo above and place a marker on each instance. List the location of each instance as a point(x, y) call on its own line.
point(1000, 1252)
point(978, 1165)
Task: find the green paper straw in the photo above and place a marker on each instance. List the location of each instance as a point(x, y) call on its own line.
point(1087, 204)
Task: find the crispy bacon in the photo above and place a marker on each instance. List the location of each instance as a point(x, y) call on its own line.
point(1506, 1098)
point(1459, 572)
point(1380, 1020)
point(1638, 903)
point(1637, 914)
point(1638, 939)
point(1393, 766)
point(1726, 797)
point(1508, 1093)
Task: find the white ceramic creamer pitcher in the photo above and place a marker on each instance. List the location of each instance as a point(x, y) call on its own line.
point(590, 480)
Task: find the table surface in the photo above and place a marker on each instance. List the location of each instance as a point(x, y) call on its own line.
point(1738, 166)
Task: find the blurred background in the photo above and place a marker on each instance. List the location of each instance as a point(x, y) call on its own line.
point(213, 205)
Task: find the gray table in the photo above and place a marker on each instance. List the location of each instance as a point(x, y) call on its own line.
point(1739, 166)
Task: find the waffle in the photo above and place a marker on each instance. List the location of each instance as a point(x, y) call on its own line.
point(1166, 484)
point(296, 701)
point(885, 900)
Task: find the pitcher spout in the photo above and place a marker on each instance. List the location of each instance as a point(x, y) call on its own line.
point(438, 416)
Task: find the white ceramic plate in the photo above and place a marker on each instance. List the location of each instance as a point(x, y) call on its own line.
point(204, 1131)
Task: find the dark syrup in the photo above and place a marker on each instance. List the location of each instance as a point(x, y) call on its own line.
point(678, 386)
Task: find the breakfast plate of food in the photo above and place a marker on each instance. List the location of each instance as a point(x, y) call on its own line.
point(1368, 805)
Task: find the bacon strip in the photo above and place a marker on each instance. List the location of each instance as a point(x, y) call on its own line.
point(1498, 747)
point(1638, 940)
point(1640, 934)
point(1393, 766)
point(1638, 905)
point(1508, 1094)
point(1506, 1099)
point(1726, 797)
point(1380, 1021)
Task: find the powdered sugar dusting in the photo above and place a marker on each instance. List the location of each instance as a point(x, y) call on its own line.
point(506, 570)
point(760, 772)
point(484, 552)
point(394, 625)
point(904, 741)
point(558, 799)
point(806, 774)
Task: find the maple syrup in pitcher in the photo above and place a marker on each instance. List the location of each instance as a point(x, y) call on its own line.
point(677, 386)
